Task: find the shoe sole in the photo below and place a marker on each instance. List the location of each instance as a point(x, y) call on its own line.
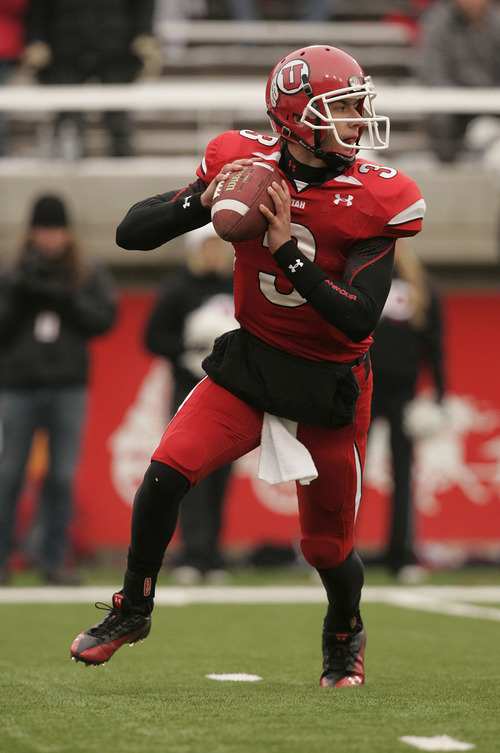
point(101, 654)
point(349, 681)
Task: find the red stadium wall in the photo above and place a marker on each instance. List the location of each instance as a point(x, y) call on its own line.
point(457, 478)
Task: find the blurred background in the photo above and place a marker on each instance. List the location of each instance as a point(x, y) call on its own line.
point(108, 127)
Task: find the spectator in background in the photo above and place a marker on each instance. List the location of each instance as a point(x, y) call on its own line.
point(51, 304)
point(78, 41)
point(459, 46)
point(195, 307)
point(407, 342)
point(12, 24)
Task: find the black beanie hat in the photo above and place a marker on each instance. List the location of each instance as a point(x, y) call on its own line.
point(49, 211)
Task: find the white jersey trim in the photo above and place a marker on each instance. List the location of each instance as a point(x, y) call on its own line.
point(414, 212)
point(359, 479)
point(349, 179)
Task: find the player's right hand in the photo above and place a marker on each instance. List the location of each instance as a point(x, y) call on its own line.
point(232, 167)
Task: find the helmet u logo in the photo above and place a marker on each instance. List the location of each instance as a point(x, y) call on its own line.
point(290, 76)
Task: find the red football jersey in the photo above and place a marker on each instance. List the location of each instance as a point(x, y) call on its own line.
point(366, 201)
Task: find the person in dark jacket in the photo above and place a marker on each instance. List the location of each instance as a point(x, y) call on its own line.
point(407, 344)
point(51, 304)
point(459, 47)
point(108, 41)
point(194, 307)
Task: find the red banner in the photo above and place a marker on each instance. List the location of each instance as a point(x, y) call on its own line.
point(457, 471)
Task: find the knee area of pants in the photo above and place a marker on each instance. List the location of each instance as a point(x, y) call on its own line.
point(188, 451)
point(322, 554)
point(162, 480)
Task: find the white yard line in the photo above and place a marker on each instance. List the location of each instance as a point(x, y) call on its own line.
point(459, 601)
point(439, 742)
point(444, 600)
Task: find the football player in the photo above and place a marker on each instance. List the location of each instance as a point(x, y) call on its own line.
point(308, 294)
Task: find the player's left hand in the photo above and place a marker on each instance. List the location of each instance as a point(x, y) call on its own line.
point(279, 231)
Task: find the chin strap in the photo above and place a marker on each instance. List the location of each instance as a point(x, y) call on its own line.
point(333, 159)
point(339, 162)
point(289, 134)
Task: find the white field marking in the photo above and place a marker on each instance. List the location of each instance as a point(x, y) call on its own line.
point(236, 677)
point(460, 601)
point(440, 742)
point(448, 600)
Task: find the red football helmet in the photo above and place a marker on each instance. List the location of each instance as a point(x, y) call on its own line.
point(305, 83)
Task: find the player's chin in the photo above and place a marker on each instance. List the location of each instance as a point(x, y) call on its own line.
point(346, 151)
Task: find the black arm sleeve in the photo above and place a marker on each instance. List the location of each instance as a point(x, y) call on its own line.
point(152, 222)
point(354, 305)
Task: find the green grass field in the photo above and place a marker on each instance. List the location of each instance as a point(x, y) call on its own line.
point(428, 674)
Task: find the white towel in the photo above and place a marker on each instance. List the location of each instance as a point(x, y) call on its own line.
point(282, 456)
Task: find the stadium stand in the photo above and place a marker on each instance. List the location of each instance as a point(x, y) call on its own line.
point(214, 78)
point(216, 54)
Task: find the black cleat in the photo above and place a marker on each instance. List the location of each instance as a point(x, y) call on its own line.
point(343, 658)
point(122, 624)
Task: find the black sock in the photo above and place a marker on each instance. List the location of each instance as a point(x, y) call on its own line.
point(140, 589)
point(343, 586)
point(154, 519)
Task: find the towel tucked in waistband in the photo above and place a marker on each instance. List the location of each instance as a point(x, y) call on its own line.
point(282, 456)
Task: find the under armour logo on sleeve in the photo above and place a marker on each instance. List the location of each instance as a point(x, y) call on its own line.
point(294, 267)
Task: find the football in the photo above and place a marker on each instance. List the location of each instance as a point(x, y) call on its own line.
point(235, 210)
